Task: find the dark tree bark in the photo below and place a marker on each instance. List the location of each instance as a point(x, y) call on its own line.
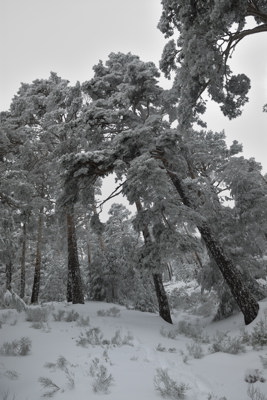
point(38, 259)
point(23, 261)
point(164, 308)
point(75, 287)
point(8, 275)
point(242, 295)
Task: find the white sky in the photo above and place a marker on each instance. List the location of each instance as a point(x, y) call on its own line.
point(69, 37)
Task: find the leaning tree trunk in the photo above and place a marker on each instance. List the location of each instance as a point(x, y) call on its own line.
point(23, 262)
point(74, 289)
point(242, 295)
point(164, 308)
point(38, 259)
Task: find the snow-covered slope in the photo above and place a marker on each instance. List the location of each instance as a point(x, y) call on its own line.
point(120, 360)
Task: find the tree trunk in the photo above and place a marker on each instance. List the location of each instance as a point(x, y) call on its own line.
point(164, 308)
point(242, 295)
point(38, 259)
point(74, 274)
point(23, 261)
point(8, 275)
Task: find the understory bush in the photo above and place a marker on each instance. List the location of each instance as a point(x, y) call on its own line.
point(258, 336)
point(255, 393)
point(37, 314)
point(167, 387)
point(19, 347)
point(187, 329)
point(111, 312)
point(224, 343)
point(102, 378)
point(195, 350)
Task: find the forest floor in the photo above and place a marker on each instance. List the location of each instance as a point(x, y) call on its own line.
point(105, 351)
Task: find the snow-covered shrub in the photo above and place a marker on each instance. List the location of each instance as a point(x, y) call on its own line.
point(11, 374)
point(193, 331)
point(161, 348)
point(169, 333)
point(19, 347)
point(253, 376)
point(102, 379)
point(92, 336)
point(195, 350)
point(7, 396)
point(255, 394)
point(111, 312)
point(264, 361)
point(64, 366)
point(212, 396)
point(37, 314)
point(71, 316)
point(224, 343)
point(59, 315)
point(118, 340)
point(258, 337)
point(49, 385)
point(167, 387)
point(83, 321)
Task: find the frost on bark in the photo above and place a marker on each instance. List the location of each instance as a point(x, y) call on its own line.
point(38, 259)
point(74, 286)
point(22, 262)
point(164, 308)
point(242, 295)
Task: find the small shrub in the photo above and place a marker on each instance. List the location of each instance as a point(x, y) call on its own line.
point(93, 336)
point(226, 344)
point(63, 365)
point(193, 331)
point(259, 335)
point(83, 321)
point(59, 316)
point(254, 376)
point(167, 387)
point(49, 385)
point(195, 350)
point(71, 316)
point(20, 347)
point(7, 396)
point(118, 340)
point(11, 374)
point(37, 314)
point(111, 312)
point(264, 361)
point(255, 394)
point(160, 348)
point(37, 325)
point(102, 379)
point(172, 350)
point(211, 396)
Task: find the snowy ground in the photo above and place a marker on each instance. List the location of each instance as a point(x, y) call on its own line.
point(75, 361)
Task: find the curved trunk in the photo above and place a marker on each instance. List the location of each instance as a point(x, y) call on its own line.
point(242, 295)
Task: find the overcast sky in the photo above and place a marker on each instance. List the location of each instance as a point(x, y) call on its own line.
point(70, 36)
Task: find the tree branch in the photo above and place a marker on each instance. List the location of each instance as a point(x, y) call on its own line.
point(112, 195)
